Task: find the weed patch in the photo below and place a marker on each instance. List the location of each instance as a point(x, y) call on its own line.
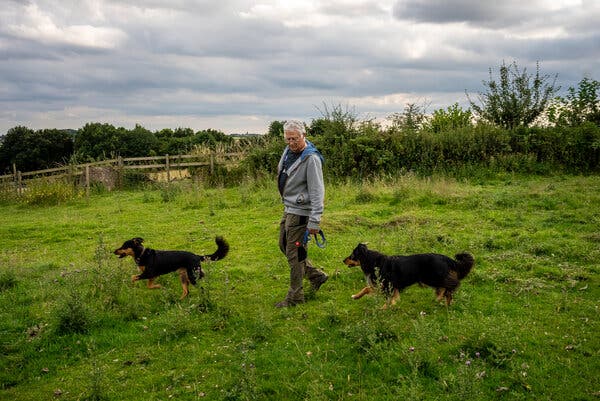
point(72, 316)
point(49, 193)
point(8, 280)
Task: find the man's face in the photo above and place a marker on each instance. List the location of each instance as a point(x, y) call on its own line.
point(295, 140)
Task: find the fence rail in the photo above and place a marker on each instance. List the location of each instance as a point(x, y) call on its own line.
point(83, 172)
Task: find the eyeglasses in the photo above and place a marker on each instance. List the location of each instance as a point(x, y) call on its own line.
point(293, 139)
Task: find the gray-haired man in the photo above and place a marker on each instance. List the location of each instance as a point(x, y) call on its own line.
point(300, 179)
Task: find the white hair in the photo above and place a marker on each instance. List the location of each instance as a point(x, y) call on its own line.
point(294, 125)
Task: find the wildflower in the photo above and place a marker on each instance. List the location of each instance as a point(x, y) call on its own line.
point(411, 349)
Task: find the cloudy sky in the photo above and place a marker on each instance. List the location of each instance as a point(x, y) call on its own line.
point(237, 65)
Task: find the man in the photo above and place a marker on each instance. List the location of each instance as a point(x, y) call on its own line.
point(300, 179)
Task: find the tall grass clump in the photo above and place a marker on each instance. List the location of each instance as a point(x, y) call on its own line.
point(8, 280)
point(43, 192)
point(107, 293)
point(73, 316)
point(8, 193)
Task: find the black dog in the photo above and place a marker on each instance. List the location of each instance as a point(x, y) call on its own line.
point(153, 263)
point(394, 273)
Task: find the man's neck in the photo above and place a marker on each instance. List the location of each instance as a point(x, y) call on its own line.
point(299, 150)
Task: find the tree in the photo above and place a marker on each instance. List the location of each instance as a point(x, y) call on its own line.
point(96, 141)
point(54, 147)
point(517, 100)
point(138, 142)
point(335, 123)
point(275, 129)
point(412, 118)
point(580, 105)
point(451, 118)
point(34, 150)
point(175, 142)
point(211, 137)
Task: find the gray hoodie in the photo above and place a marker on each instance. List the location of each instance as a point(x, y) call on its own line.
point(304, 191)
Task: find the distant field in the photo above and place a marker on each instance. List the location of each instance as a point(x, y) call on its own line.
point(524, 323)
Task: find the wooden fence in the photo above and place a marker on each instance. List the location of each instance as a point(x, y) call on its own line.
point(84, 173)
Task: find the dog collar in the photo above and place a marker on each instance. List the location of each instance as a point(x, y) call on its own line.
point(137, 260)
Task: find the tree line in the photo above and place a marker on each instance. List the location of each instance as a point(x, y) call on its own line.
point(40, 149)
point(517, 122)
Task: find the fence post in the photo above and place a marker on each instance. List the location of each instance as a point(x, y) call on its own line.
point(19, 183)
point(168, 168)
point(87, 181)
point(119, 172)
point(71, 175)
point(15, 176)
point(212, 163)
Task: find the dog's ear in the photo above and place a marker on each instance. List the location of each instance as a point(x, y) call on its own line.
point(138, 240)
point(361, 249)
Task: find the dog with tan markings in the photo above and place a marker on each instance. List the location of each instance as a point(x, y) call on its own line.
point(153, 263)
point(394, 273)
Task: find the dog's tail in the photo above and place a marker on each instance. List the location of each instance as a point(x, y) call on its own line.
point(464, 264)
point(221, 252)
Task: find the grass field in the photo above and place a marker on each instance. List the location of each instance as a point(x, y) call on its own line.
point(523, 325)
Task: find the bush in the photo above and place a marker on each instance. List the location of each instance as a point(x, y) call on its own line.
point(576, 149)
point(134, 179)
point(579, 106)
point(377, 152)
point(264, 157)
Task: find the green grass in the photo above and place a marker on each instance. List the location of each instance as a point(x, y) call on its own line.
point(524, 323)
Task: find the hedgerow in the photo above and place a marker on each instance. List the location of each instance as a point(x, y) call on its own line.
point(392, 151)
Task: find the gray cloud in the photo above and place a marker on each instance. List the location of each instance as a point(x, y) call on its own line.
point(475, 12)
point(238, 65)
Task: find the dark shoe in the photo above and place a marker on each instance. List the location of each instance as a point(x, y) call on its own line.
point(319, 282)
point(285, 304)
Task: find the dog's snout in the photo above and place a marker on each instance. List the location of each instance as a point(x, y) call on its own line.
point(121, 252)
point(350, 262)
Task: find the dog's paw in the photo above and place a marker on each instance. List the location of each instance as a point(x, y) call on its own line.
point(135, 278)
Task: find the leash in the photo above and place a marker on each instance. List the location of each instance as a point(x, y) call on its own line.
point(321, 244)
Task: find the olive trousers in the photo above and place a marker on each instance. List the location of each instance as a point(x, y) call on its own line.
point(291, 235)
